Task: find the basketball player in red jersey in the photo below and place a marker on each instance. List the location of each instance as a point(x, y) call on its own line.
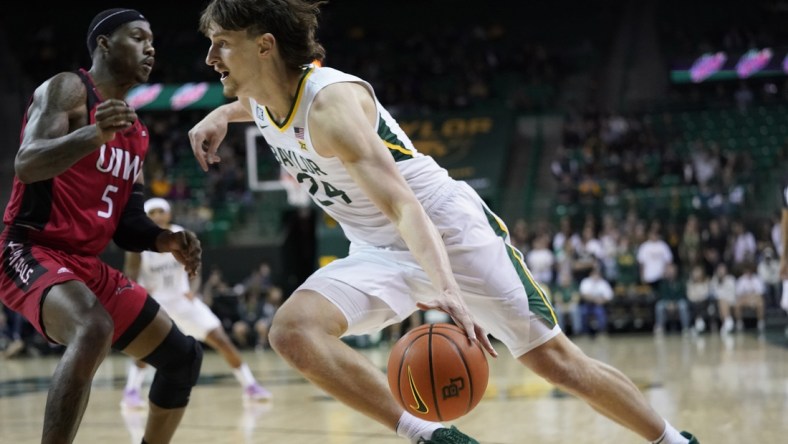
point(78, 185)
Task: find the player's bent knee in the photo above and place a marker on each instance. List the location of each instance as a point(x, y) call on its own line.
point(279, 338)
point(97, 332)
point(289, 341)
point(177, 361)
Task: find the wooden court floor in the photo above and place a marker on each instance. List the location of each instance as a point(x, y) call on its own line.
point(725, 391)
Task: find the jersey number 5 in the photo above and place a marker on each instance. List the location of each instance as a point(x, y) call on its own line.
point(108, 200)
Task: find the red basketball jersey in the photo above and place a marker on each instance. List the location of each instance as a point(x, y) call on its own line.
point(78, 210)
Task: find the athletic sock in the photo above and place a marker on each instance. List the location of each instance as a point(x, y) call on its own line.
point(136, 377)
point(244, 375)
point(670, 436)
point(414, 428)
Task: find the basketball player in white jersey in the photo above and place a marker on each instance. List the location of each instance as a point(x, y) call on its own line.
point(167, 282)
point(419, 239)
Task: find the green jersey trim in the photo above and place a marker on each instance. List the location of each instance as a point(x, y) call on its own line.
point(540, 305)
point(392, 142)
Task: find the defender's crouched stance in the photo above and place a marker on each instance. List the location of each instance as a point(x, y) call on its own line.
point(79, 185)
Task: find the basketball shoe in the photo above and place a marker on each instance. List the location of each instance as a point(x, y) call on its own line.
point(692, 439)
point(256, 393)
point(132, 400)
point(449, 436)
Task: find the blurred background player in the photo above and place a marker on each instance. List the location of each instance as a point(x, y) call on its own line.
point(784, 249)
point(168, 283)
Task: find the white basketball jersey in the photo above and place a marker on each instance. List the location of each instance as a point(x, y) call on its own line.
point(162, 275)
point(327, 180)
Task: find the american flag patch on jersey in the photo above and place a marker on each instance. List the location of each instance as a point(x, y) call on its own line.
point(299, 132)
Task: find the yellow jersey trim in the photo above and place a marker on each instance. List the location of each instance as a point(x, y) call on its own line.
point(291, 114)
point(402, 150)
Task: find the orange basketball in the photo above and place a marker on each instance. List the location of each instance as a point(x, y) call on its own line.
point(436, 373)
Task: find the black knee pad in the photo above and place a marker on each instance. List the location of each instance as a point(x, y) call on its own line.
point(177, 361)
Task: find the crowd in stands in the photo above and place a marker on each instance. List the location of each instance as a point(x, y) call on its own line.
point(171, 171)
point(633, 274)
point(609, 161)
point(247, 308)
point(450, 68)
point(680, 224)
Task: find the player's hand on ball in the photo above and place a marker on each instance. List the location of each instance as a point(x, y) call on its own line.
point(437, 374)
point(451, 304)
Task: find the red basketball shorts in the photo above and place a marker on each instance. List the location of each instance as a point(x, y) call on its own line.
point(28, 271)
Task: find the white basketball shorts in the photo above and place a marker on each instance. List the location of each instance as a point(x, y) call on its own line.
point(192, 316)
point(375, 287)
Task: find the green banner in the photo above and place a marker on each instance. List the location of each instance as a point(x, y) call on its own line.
point(158, 96)
point(472, 146)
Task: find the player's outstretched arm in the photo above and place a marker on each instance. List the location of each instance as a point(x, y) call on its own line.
point(342, 122)
point(209, 132)
point(136, 232)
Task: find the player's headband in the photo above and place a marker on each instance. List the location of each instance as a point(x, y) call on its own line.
point(156, 203)
point(106, 22)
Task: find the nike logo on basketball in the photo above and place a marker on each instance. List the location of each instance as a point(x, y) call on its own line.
point(420, 406)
